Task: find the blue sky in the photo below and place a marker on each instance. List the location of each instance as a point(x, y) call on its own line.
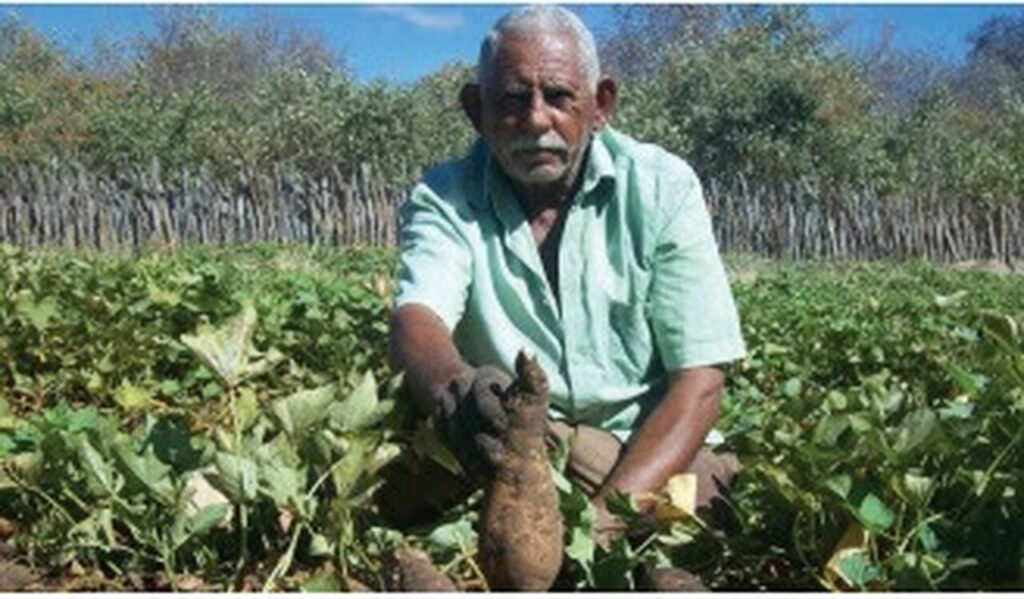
point(404, 42)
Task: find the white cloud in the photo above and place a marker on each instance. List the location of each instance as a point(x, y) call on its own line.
point(427, 19)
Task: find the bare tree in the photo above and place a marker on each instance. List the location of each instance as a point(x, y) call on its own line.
point(25, 50)
point(642, 33)
point(995, 63)
point(902, 78)
point(191, 47)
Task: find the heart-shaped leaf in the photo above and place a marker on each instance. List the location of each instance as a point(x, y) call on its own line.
point(226, 351)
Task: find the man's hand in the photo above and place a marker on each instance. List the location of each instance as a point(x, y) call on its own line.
point(465, 402)
point(472, 417)
point(671, 436)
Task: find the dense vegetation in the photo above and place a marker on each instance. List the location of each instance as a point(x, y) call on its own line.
point(219, 418)
point(763, 92)
point(877, 418)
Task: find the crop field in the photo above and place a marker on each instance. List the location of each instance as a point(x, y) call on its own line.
point(219, 418)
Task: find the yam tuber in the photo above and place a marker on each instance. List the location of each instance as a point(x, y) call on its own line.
point(521, 524)
point(410, 570)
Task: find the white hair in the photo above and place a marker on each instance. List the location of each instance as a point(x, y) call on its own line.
point(537, 19)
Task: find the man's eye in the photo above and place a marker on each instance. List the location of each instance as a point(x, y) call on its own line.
point(558, 97)
point(515, 101)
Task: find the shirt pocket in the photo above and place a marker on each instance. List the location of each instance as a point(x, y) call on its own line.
point(630, 344)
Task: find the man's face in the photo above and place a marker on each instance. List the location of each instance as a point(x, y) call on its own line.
point(536, 112)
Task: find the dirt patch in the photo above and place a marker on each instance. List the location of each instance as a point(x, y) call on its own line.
point(999, 267)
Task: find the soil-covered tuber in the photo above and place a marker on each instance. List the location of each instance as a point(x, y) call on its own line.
point(521, 525)
point(411, 571)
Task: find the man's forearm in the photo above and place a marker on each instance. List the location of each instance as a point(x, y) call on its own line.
point(421, 345)
point(671, 436)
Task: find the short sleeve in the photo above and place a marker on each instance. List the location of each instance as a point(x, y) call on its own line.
point(693, 314)
point(435, 262)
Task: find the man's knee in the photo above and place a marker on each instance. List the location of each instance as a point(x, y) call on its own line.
point(593, 453)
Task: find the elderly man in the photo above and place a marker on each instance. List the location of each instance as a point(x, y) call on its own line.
point(559, 234)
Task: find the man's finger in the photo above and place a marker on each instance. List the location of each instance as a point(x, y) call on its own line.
point(492, 448)
point(487, 391)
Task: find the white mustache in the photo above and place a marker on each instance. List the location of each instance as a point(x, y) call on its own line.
point(550, 142)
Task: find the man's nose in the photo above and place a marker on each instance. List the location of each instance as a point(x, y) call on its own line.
point(538, 117)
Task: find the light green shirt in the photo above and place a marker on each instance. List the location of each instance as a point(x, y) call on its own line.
point(642, 287)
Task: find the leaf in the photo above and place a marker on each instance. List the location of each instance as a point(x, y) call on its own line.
point(38, 313)
point(840, 484)
point(561, 483)
point(98, 472)
point(917, 428)
point(581, 546)
point(132, 398)
point(792, 387)
point(83, 420)
point(970, 383)
point(247, 407)
point(621, 504)
point(282, 483)
point(454, 536)
point(319, 546)
point(577, 510)
point(680, 533)
point(956, 410)
point(918, 488)
point(830, 428)
point(1002, 327)
point(871, 510)
point(359, 409)
point(774, 349)
point(171, 441)
point(784, 484)
point(208, 517)
point(324, 582)
point(7, 445)
point(299, 411)
point(146, 469)
point(426, 442)
point(7, 419)
point(613, 570)
point(163, 297)
point(678, 498)
point(226, 350)
point(857, 569)
point(854, 541)
point(235, 476)
point(836, 400)
point(954, 299)
point(350, 467)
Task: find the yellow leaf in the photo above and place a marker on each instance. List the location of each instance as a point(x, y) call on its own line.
point(854, 540)
point(132, 398)
point(678, 500)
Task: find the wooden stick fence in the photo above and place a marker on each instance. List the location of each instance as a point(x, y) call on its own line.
point(816, 219)
point(64, 205)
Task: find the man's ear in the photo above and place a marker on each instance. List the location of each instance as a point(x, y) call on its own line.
point(469, 98)
point(607, 93)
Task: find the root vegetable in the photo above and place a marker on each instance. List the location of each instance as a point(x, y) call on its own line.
point(411, 570)
point(521, 525)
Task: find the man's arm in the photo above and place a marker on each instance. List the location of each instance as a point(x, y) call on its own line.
point(669, 438)
point(421, 344)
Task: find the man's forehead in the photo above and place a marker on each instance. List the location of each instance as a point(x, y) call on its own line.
point(552, 55)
